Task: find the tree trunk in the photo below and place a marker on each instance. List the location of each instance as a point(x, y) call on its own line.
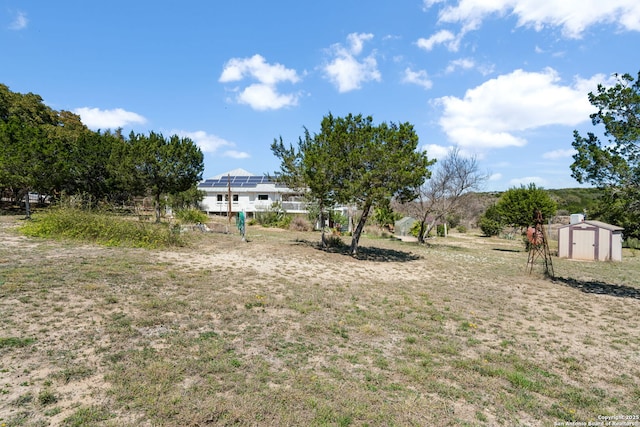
point(358, 231)
point(157, 207)
point(27, 205)
point(422, 232)
point(323, 239)
point(430, 226)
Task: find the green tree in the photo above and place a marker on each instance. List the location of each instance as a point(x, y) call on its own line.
point(188, 199)
point(18, 149)
point(517, 206)
point(613, 165)
point(351, 161)
point(384, 216)
point(166, 166)
point(23, 118)
point(309, 168)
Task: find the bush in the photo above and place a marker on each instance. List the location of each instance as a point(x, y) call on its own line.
point(335, 242)
point(631, 243)
point(191, 216)
point(461, 229)
point(101, 228)
point(490, 227)
point(415, 229)
point(299, 223)
point(274, 217)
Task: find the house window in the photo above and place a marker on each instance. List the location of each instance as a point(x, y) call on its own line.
point(235, 197)
point(219, 198)
point(263, 197)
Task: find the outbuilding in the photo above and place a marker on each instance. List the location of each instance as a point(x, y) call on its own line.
point(590, 240)
point(402, 227)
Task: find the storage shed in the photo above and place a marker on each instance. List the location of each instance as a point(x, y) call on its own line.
point(590, 240)
point(403, 226)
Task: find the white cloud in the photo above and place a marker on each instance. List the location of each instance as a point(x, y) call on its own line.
point(441, 37)
point(263, 95)
point(236, 154)
point(491, 115)
point(435, 151)
point(95, 118)
point(462, 63)
point(356, 41)
point(256, 67)
point(209, 143)
point(539, 182)
point(495, 177)
point(421, 78)
point(572, 16)
point(559, 154)
point(345, 70)
point(20, 22)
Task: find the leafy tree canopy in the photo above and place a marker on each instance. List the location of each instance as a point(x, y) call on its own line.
point(517, 206)
point(614, 164)
point(53, 152)
point(353, 161)
point(166, 166)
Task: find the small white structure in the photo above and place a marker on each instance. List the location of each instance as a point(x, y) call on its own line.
point(248, 192)
point(590, 240)
point(402, 227)
point(576, 218)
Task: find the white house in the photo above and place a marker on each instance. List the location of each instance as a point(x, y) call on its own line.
point(248, 192)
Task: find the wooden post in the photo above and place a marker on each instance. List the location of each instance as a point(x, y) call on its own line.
point(229, 198)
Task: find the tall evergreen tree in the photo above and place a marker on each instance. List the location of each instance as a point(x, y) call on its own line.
point(166, 166)
point(614, 165)
point(351, 161)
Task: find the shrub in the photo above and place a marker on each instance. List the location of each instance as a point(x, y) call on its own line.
point(335, 242)
point(461, 229)
point(191, 216)
point(101, 228)
point(274, 217)
point(490, 227)
point(299, 223)
point(631, 243)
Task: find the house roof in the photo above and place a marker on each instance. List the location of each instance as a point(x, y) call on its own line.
point(239, 179)
point(235, 172)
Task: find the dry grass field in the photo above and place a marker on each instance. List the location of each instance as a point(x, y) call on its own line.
point(275, 332)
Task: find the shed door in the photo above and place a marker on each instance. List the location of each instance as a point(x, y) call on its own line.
point(584, 244)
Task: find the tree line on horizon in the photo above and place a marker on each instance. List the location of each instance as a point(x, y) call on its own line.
point(53, 153)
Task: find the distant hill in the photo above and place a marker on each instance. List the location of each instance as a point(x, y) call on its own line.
point(569, 200)
point(575, 200)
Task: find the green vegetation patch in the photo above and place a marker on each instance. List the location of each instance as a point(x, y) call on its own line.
point(15, 342)
point(100, 228)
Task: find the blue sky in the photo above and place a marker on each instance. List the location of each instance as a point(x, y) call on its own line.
point(505, 81)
